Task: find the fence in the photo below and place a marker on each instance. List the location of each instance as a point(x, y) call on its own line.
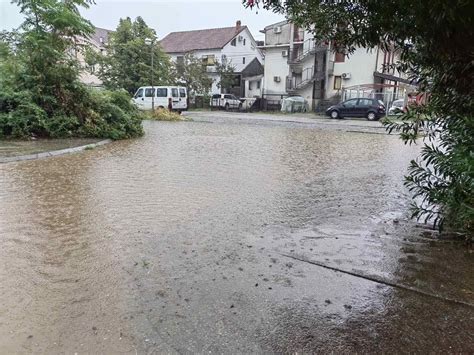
point(309, 47)
point(199, 102)
point(298, 82)
point(270, 102)
point(387, 95)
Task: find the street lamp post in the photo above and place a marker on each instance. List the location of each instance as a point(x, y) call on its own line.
point(151, 42)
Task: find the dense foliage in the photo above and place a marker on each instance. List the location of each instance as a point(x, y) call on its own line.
point(127, 61)
point(436, 44)
point(191, 73)
point(163, 114)
point(226, 75)
point(40, 93)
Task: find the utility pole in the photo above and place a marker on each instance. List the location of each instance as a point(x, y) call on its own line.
point(151, 43)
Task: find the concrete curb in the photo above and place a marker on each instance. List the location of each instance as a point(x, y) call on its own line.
point(53, 153)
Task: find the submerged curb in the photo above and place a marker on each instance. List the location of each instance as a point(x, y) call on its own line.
point(54, 153)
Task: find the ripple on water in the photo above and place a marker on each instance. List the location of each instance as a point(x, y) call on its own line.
point(181, 233)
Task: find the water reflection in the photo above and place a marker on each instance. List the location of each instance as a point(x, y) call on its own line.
point(173, 242)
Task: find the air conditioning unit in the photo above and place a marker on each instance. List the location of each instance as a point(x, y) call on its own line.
point(346, 75)
point(284, 53)
point(277, 29)
point(276, 79)
point(240, 38)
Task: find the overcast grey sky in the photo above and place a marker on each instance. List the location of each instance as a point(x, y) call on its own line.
point(164, 16)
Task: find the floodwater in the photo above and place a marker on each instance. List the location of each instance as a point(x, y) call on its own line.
point(12, 148)
point(195, 238)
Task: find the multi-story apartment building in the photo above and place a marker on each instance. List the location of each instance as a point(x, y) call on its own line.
point(297, 64)
point(231, 45)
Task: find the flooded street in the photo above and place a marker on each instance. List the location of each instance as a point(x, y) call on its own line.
point(203, 237)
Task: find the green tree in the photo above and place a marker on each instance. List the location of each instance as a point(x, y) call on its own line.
point(436, 42)
point(226, 73)
point(127, 62)
point(48, 36)
point(40, 93)
point(191, 73)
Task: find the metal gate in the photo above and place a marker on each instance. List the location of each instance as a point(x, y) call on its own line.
point(387, 93)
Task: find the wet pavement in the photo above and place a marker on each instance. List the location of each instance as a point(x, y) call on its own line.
point(200, 237)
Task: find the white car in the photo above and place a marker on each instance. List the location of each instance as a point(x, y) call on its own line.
point(225, 101)
point(396, 108)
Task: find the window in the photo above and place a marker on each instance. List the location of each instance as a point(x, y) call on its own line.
point(351, 102)
point(161, 92)
point(208, 59)
point(364, 102)
point(233, 42)
point(243, 60)
point(182, 92)
point(258, 84)
point(228, 97)
point(250, 85)
point(340, 57)
point(174, 92)
point(244, 41)
point(149, 92)
point(139, 93)
point(337, 82)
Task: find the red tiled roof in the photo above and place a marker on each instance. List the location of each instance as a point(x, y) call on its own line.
point(186, 41)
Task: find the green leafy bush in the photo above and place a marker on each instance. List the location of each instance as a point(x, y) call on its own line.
point(40, 91)
point(111, 115)
point(101, 114)
point(61, 126)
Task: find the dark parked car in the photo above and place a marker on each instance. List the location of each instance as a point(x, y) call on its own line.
point(372, 109)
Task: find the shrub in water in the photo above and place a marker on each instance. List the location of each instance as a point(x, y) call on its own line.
point(164, 115)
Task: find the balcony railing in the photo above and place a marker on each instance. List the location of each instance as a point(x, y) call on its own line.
point(307, 76)
point(310, 46)
point(299, 82)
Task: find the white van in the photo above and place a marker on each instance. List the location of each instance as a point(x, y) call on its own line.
point(144, 97)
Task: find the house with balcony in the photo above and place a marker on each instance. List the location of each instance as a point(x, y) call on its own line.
point(367, 73)
point(298, 64)
point(295, 64)
point(232, 45)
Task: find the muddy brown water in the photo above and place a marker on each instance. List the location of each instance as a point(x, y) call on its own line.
point(175, 242)
point(15, 148)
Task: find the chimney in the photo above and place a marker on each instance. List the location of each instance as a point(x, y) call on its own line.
point(237, 26)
